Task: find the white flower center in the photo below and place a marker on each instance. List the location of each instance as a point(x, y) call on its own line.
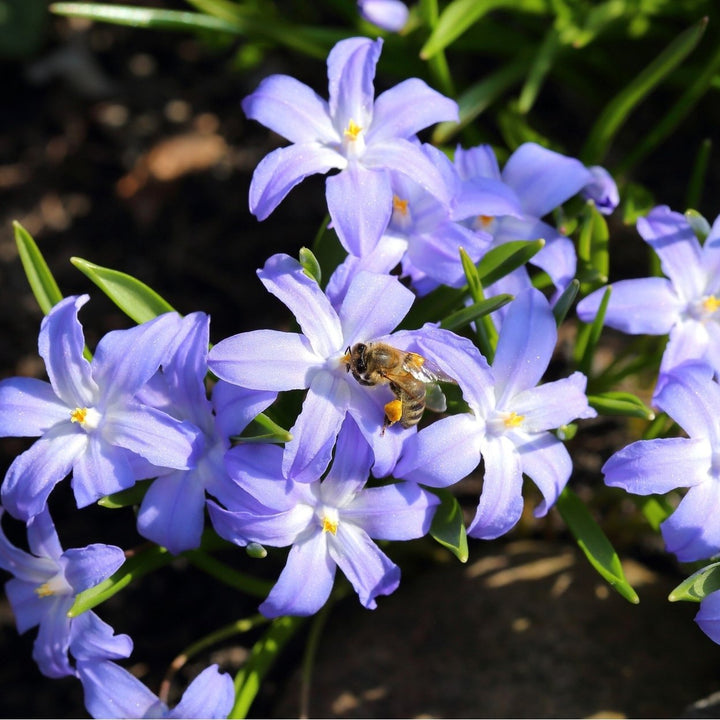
point(88, 418)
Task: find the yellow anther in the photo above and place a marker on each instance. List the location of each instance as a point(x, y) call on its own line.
point(352, 131)
point(485, 220)
point(400, 206)
point(44, 590)
point(78, 415)
point(711, 304)
point(513, 420)
point(329, 525)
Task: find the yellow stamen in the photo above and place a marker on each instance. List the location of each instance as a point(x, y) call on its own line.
point(44, 590)
point(78, 415)
point(400, 206)
point(513, 420)
point(485, 220)
point(711, 304)
point(352, 131)
point(329, 525)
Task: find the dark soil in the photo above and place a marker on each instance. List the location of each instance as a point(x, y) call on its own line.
point(130, 149)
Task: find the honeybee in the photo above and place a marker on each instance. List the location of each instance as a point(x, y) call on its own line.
point(412, 378)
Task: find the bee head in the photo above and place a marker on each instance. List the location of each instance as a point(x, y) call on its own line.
point(357, 358)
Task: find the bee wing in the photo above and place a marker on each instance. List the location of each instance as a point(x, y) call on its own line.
point(435, 398)
point(425, 370)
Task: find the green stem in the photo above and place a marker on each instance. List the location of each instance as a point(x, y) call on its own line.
point(223, 572)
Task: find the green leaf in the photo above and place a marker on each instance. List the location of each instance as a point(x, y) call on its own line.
point(270, 431)
point(487, 335)
point(262, 656)
point(447, 526)
point(540, 67)
point(565, 301)
point(126, 498)
point(593, 542)
point(589, 335)
point(593, 251)
point(142, 17)
point(460, 15)
point(620, 403)
point(617, 111)
point(310, 264)
point(133, 297)
point(474, 312)
point(699, 173)
point(699, 585)
point(502, 260)
point(140, 564)
point(655, 508)
point(43, 285)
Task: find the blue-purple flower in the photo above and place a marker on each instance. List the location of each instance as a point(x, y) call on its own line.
point(352, 132)
point(509, 422)
point(386, 14)
point(172, 512)
point(685, 304)
point(45, 583)
point(87, 417)
point(328, 524)
point(316, 359)
point(113, 692)
point(691, 397)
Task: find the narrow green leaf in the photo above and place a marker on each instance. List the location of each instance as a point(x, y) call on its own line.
point(590, 334)
point(699, 174)
point(151, 18)
point(474, 312)
point(487, 335)
point(699, 585)
point(271, 431)
point(593, 252)
point(459, 15)
point(126, 498)
point(540, 67)
point(655, 508)
point(43, 285)
point(264, 653)
point(310, 264)
point(140, 564)
point(617, 111)
point(447, 526)
point(565, 301)
point(620, 403)
point(593, 542)
point(502, 260)
point(133, 297)
point(700, 226)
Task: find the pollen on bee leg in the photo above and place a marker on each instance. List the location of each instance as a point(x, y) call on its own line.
point(393, 411)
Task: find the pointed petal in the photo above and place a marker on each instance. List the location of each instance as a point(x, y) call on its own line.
point(257, 469)
point(546, 461)
point(102, 469)
point(236, 407)
point(308, 453)
point(34, 473)
point(89, 566)
point(351, 71)
point(305, 583)
point(401, 511)
point(34, 569)
point(265, 360)
point(602, 190)
point(154, 435)
point(61, 343)
point(477, 162)
point(50, 650)
point(210, 695)
point(525, 346)
point(93, 639)
point(643, 306)
point(292, 110)
point(392, 118)
point(42, 537)
point(360, 205)
point(286, 279)
point(635, 468)
point(172, 513)
point(691, 531)
point(373, 306)
point(282, 169)
point(29, 407)
point(486, 196)
point(351, 465)
point(442, 453)
point(368, 569)
point(669, 234)
point(27, 607)
point(544, 179)
point(689, 342)
point(501, 501)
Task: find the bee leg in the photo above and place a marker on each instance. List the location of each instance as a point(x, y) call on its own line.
point(393, 412)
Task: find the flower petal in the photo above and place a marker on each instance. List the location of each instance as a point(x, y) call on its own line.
point(29, 407)
point(265, 360)
point(28, 608)
point(388, 14)
point(89, 566)
point(368, 569)
point(441, 453)
point(394, 119)
point(691, 532)
point(286, 279)
point(360, 205)
point(305, 582)
point(643, 306)
point(546, 461)
point(708, 617)
point(50, 650)
point(34, 569)
point(351, 465)
point(501, 501)
point(42, 537)
point(292, 110)
point(102, 469)
point(282, 169)
point(210, 695)
point(93, 639)
point(657, 466)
